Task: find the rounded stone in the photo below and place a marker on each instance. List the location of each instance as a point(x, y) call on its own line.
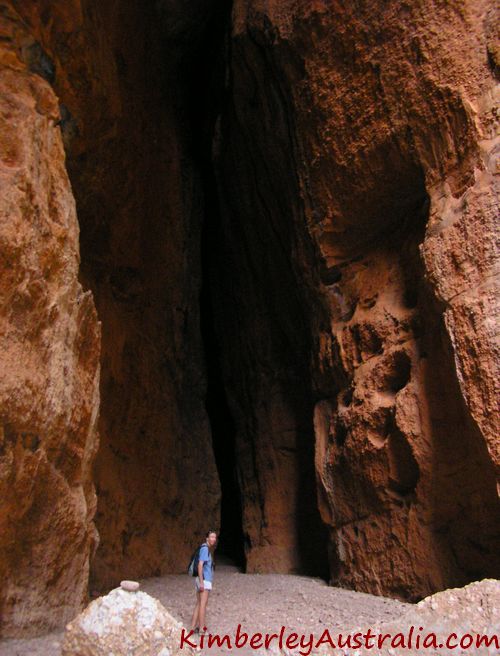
point(129, 586)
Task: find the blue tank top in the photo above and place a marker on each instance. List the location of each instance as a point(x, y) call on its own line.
point(206, 558)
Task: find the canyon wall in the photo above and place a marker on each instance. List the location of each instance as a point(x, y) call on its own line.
point(356, 161)
point(341, 156)
point(50, 343)
point(119, 72)
point(107, 80)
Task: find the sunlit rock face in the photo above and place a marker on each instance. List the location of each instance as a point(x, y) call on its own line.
point(123, 74)
point(49, 369)
point(106, 81)
point(340, 157)
point(355, 160)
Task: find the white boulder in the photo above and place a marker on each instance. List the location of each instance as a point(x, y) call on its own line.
point(124, 623)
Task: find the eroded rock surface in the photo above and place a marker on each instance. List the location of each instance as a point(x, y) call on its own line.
point(356, 160)
point(350, 262)
point(101, 78)
point(139, 200)
point(49, 370)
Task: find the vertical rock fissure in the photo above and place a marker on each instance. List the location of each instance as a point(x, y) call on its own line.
point(207, 90)
point(286, 229)
point(231, 539)
point(262, 309)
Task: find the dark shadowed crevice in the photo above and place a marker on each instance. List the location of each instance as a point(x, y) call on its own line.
point(231, 541)
point(262, 317)
point(205, 72)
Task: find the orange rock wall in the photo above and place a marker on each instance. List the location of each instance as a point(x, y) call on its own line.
point(49, 370)
point(356, 156)
point(112, 88)
point(139, 206)
point(350, 268)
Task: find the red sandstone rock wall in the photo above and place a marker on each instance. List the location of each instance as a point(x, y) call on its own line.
point(49, 369)
point(353, 291)
point(112, 87)
point(119, 72)
point(358, 145)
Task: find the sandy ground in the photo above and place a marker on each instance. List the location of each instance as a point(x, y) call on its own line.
point(259, 602)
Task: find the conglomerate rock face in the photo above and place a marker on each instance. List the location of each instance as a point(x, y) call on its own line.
point(49, 370)
point(139, 206)
point(102, 80)
point(349, 269)
point(355, 158)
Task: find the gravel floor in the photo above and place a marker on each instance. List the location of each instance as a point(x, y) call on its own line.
point(259, 602)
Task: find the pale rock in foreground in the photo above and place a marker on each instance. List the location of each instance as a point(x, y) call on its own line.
point(123, 623)
point(473, 609)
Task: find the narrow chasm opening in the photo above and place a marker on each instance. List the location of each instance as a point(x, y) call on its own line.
point(206, 94)
point(189, 243)
point(256, 327)
point(231, 542)
point(273, 429)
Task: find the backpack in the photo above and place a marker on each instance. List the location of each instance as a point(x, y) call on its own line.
point(192, 569)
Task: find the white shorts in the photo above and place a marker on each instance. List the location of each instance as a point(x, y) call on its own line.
point(206, 584)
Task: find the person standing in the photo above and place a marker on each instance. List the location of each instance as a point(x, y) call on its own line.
point(204, 580)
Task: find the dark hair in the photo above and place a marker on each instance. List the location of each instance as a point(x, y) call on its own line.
point(212, 549)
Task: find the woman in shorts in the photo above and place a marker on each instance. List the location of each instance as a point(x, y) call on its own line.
point(203, 581)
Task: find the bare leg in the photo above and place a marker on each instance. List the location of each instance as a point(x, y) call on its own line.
point(203, 607)
point(194, 619)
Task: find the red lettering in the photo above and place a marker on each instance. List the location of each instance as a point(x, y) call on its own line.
point(356, 641)
point(382, 638)
point(420, 628)
point(306, 642)
point(343, 643)
point(369, 635)
point(469, 638)
point(268, 638)
point(291, 641)
point(256, 641)
point(430, 640)
point(326, 638)
point(304, 645)
point(282, 631)
point(487, 641)
point(412, 628)
point(398, 641)
point(185, 639)
point(239, 637)
point(217, 640)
